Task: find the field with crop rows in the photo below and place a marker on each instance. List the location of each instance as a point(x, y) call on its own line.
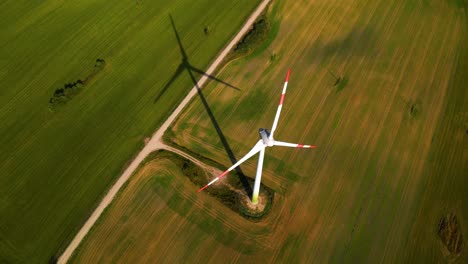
point(159, 218)
point(371, 191)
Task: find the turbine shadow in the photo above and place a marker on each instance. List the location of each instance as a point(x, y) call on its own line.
point(185, 64)
point(190, 69)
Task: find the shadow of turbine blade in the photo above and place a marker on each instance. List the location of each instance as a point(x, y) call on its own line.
point(185, 64)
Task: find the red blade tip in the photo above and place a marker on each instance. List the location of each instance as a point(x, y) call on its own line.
point(217, 178)
point(287, 75)
point(203, 188)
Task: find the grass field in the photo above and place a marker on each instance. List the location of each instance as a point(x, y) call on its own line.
point(392, 145)
point(56, 165)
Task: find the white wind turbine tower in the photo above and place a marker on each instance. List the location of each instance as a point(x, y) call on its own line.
point(266, 140)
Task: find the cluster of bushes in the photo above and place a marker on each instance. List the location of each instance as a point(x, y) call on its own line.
point(64, 94)
point(225, 195)
point(198, 176)
point(253, 38)
point(69, 90)
point(232, 198)
point(450, 233)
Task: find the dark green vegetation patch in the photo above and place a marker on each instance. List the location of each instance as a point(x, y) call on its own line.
point(227, 196)
point(341, 83)
point(257, 34)
point(450, 233)
point(70, 90)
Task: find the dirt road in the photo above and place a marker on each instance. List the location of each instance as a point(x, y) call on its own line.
point(155, 141)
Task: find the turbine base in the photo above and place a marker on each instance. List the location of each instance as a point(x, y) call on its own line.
point(254, 209)
point(255, 199)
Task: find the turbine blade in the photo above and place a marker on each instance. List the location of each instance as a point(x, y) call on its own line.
point(258, 177)
point(292, 145)
point(278, 112)
point(257, 148)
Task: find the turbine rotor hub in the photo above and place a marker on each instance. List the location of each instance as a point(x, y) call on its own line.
point(266, 137)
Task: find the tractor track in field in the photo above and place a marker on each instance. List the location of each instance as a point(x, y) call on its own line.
point(156, 143)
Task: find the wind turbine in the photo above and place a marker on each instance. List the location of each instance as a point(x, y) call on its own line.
point(266, 140)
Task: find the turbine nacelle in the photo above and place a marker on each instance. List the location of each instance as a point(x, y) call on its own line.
point(266, 137)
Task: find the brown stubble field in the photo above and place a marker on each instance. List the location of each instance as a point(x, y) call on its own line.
point(157, 218)
point(371, 191)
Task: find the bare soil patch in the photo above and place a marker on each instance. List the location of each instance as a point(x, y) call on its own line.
point(255, 209)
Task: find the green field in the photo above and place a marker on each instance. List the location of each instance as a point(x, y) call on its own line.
point(55, 165)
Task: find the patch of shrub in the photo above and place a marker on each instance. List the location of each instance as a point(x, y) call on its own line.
point(341, 83)
point(65, 93)
point(70, 90)
point(230, 198)
point(450, 233)
point(257, 34)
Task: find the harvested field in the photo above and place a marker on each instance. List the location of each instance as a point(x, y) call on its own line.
point(158, 218)
point(376, 135)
